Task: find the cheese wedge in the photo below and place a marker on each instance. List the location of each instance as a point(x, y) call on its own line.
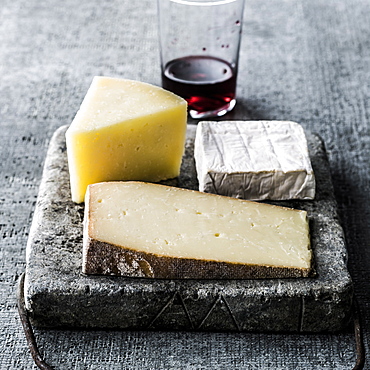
point(149, 230)
point(254, 160)
point(125, 130)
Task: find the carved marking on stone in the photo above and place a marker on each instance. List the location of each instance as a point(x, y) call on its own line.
point(301, 315)
point(167, 305)
point(220, 298)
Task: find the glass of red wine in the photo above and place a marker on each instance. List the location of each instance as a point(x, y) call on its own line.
point(199, 43)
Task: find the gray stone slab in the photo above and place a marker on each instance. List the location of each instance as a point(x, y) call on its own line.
point(57, 294)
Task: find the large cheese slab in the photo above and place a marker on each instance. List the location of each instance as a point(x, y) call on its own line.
point(125, 130)
point(254, 160)
point(148, 230)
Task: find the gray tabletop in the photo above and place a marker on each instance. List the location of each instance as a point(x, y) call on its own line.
point(307, 61)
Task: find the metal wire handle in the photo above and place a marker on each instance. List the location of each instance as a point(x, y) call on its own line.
point(27, 327)
point(40, 362)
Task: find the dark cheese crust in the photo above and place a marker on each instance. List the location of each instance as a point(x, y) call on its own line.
point(102, 258)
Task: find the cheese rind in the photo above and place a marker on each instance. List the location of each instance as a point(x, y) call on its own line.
point(125, 130)
point(150, 230)
point(254, 160)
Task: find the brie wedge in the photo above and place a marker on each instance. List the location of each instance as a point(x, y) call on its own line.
point(254, 160)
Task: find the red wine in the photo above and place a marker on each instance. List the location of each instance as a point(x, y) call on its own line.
point(208, 84)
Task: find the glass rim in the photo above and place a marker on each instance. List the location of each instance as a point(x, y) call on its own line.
point(204, 2)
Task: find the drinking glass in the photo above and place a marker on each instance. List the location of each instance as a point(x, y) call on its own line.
point(199, 49)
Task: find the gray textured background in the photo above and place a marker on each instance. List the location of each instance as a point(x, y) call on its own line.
point(306, 61)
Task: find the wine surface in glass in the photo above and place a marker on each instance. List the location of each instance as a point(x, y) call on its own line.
point(207, 83)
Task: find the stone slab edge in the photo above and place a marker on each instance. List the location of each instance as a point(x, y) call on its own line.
point(58, 294)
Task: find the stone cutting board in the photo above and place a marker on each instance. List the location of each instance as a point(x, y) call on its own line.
point(58, 294)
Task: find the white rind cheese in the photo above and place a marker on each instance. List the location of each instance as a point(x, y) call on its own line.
point(151, 230)
point(254, 160)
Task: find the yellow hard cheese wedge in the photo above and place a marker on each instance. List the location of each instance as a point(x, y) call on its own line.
point(125, 130)
point(149, 230)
